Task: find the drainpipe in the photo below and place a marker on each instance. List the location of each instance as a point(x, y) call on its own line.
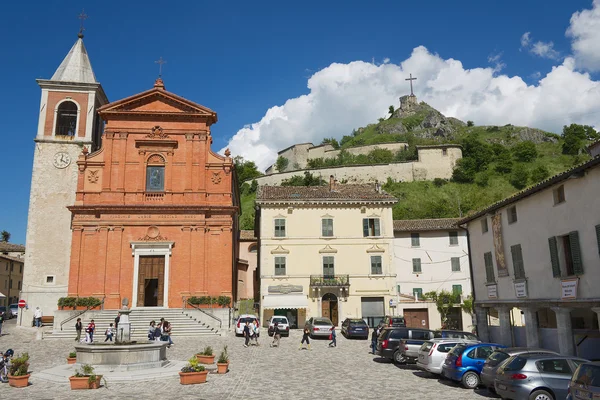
point(471, 272)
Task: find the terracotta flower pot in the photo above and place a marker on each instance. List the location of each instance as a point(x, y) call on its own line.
point(18, 381)
point(83, 382)
point(71, 360)
point(191, 378)
point(222, 368)
point(96, 384)
point(205, 359)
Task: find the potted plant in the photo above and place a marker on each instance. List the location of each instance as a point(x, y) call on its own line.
point(72, 359)
point(85, 378)
point(223, 362)
point(206, 356)
point(18, 374)
point(192, 373)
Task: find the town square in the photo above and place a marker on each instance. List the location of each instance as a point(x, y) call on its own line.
point(213, 201)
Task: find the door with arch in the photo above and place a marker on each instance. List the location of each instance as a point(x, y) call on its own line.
point(329, 307)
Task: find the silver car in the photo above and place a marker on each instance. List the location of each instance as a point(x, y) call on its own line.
point(495, 360)
point(432, 353)
point(319, 326)
point(585, 383)
point(536, 376)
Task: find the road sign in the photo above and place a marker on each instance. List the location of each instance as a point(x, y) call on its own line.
point(22, 303)
point(393, 302)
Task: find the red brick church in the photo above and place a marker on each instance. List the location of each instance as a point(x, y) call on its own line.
point(155, 215)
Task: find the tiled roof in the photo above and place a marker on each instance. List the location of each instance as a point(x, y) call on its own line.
point(20, 260)
point(6, 247)
point(351, 193)
point(415, 225)
point(247, 235)
point(553, 180)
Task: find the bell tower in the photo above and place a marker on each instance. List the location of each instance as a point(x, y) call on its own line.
point(68, 122)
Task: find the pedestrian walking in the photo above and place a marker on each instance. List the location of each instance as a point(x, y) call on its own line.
point(37, 315)
point(78, 329)
point(256, 332)
point(117, 320)
point(332, 337)
point(305, 338)
point(89, 332)
point(109, 333)
point(151, 330)
point(246, 334)
point(374, 340)
point(276, 335)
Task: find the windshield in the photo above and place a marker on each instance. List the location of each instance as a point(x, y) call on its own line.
point(322, 321)
point(14, 306)
point(280, 320)
point(496, 358)
point(358, 323)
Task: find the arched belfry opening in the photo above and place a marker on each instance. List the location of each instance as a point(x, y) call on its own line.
point(66, 119)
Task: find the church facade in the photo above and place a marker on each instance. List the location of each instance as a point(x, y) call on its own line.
point(148, 212)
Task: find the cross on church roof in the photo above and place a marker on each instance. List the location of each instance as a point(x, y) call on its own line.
point(83, 16)
point(410, 80)
point(160, 63)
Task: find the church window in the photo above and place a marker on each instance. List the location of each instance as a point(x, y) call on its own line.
point(253, 248)
point(66, 119)
point(155, 174)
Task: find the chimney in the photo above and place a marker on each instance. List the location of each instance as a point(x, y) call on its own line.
point(331, 183)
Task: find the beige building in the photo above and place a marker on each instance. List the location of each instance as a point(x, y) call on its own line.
point(11, 272)
point(248, 276)
point(538, 251)
point(325, 251)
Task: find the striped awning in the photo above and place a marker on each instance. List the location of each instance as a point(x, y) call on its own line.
point(285, 301)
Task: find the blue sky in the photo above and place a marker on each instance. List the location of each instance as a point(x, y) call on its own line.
point(303, 71)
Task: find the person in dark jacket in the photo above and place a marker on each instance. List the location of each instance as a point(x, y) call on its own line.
point(78, 329)
point(332, 336)
point(305, 338)
point(374, 339)
point(247, 334)
point(276, 335)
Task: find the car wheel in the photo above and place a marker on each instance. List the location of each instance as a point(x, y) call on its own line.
point(541, 395)
point(398, 358)
point(470, 380)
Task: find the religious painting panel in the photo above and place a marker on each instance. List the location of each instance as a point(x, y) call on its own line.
point(499, 245)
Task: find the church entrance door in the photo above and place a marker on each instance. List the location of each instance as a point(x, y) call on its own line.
point(151, 281)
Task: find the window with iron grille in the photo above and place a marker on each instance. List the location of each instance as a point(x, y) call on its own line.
point(279, 227)
point(376, 268)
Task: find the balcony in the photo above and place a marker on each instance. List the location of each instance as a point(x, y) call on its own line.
point(339, 281)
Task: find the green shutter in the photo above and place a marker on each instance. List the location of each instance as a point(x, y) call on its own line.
point(552, 243)
point(377, 229)
point(365, 227)
point(598, 237)
point(576, 253)
point(457, 289)
point(489, 267)
point(517, 259)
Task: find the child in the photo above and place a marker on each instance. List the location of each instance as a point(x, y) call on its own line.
point(332, 337)
point(305, 338)
point(109, 333)
point(256, 332)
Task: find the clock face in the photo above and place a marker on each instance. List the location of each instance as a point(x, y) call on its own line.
point(61, 160)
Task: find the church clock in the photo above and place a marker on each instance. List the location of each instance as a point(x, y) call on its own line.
point(61, 160)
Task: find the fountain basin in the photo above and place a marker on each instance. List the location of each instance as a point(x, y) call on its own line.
point(122, 357)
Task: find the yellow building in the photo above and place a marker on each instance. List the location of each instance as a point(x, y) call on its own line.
point(11, 272)
point(325, 251)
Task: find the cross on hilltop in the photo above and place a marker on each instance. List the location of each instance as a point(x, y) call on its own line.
point(411, 87)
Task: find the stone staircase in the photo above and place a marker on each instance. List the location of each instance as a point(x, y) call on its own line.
point(182, 323)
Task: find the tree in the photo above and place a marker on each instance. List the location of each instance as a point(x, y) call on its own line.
point(245, 170)
point(391, 110)
point(525, 151)
point(470, 123)
point(539, 174)
point(479, 151)
point(281, 163)
point(519, 177)
point(332, 141)
point(465, 171)
point(574, 137)
point(308, 180)
point(504, 165)
point(380, 156)
point(5, 235)
point(444, 301)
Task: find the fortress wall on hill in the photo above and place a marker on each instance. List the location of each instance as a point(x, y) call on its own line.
point(433, 163)
point(393, 147)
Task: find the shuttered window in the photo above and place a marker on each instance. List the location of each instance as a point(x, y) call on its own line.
point(279, 265)
point(279, 227)
point(415, 240)
point(576, 253)
point(554, 260)
point(489, 268)
point(327, 227)
point(517, 259)
point(418, 292)
point(598, 237)
point(376, 268)
point(457, 289)
point(455, 261)
point(416, 265)
point(328, 268)
point(453, 235)
point(371, 227)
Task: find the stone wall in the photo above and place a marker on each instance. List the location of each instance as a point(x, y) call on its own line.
point(434, 162)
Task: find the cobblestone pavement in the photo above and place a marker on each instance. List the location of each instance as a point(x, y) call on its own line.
point(262, 372)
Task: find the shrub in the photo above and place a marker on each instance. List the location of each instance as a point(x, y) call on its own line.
point(67, 302)
point(208, 351)
point(439, 182)
point(525, 151)
point(519, 177)
point(72, 354)
point(465, 170)
point(470, 123)
point(193, 366)
point(224, 301)
point(89, 302)
point(19, 366)
point(504, 165)
point(281, 164)
point(482, 179)
point(223, 357)
point(539, 174)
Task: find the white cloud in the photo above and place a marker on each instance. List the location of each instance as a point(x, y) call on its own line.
point(525, 40)
point(584, 32)
point(343, 97)
point(545, 50)
point(386, 60)
point(536, 75)
point(496, 60)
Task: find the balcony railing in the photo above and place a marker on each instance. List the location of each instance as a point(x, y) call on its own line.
point(330, 280)
point(155, 197)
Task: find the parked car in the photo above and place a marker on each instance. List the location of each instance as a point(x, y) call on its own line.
point(14, 309)
point(585, 383)
point(497, 358)
point(465, 362)
point(392, 342)
point(432, 354)
point(319, 326)
point(282, 323)
point(409, 348)
point(241, 321)
point(536, 376)
point(355, 327)
point(389, 321)
point(449, 334)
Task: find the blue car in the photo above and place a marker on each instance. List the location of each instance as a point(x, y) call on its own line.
point(465, 362)
point(355, 327)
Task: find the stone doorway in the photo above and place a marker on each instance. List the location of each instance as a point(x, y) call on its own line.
point(151, 281)
point(329, 308)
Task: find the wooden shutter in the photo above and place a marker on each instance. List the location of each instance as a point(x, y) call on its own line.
point(365, 227)
point(576, 253)
point(377, 227)
point(489, 267)
point(552, 243)
point(517, 259)
point(598, 237)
